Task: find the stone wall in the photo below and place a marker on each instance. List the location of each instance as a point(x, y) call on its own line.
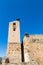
point(33, 45)
point(13, 47)
point(14, 52)
point(28, 63)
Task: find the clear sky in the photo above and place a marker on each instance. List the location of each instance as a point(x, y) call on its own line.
point(30, 13)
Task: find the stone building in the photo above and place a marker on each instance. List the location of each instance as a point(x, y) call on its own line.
point(13, 47)
point(31, 48)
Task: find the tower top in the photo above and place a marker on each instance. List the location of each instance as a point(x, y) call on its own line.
point(18, 19)
point(14, 32)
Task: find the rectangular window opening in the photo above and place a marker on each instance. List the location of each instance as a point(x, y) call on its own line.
point(14, 26)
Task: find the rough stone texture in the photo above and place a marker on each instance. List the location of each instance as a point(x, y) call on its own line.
point(14, 36)
point(28, 63)
point(14, 52)
point(14, 47)
point(34, 46)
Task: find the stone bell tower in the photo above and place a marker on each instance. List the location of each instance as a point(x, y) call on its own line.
point(14, 32)
point(13, 47)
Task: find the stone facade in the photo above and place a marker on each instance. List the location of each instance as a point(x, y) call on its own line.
point(23, 63)
point(13, 47)
point(33, 44)
point(31, 50)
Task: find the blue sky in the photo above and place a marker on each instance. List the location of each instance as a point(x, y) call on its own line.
point(30, 13)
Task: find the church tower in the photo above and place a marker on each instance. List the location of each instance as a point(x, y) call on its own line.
point(13, 47)
point(14, 32)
